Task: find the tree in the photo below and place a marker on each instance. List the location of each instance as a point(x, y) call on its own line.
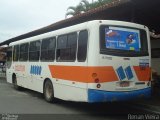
point(84, 6)
point(99, 3)
point(75, 10)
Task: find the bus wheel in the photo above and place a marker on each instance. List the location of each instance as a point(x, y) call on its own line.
point(15, 83)
point(49, 92)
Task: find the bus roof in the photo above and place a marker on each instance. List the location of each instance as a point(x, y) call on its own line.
point(78, 27)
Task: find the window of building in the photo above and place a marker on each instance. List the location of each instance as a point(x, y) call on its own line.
point(155, 48)
point(34, 51)
point(155, 52)
point(16, 53)
point(24, 52)
point(66, 47)
point(48, 49)
point(82, 45)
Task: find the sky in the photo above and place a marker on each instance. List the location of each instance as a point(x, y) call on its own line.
point(21, 16)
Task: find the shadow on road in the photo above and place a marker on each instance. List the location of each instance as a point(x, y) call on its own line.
point(79, 108)
point(97, 109)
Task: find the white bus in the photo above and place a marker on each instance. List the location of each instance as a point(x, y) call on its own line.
point(95, 61)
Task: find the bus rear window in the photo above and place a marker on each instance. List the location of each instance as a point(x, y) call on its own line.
point(123, 39)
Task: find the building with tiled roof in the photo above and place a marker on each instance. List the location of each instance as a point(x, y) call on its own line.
point(144, 12)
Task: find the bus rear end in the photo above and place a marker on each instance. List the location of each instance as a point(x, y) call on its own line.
point(119, 66)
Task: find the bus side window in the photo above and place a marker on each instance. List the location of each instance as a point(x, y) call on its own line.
point(24, 52)
point(82, 45)
point(66, 47)
point(61, 47)
point(16, 53)
point(48, 49)
point(72, 46)
point(34, 51)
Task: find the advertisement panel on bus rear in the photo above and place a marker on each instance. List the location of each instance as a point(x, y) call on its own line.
point(122, 38)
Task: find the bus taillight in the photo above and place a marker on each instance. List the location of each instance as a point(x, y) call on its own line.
point(96, 80)
point(94, 75)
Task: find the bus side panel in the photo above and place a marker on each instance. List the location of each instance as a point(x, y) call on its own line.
point(9, 76)
point(70, 92)
point(70, 81)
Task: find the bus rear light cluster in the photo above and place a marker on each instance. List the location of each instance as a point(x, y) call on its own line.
point(96, 80)
point(98, 85)
point(94, 75)
point(149, 83)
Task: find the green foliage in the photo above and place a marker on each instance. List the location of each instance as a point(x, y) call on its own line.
point(75, 10)
point(84, 6)
point(99, 3)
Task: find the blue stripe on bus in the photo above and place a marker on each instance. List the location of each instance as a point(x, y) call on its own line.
point(121, 73)
point(105, 96)
point(40, 69)
point(129, 73)
point(31, 69)
point(35, 70)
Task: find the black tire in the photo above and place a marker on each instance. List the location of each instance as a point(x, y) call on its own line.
point(15, 83)
point(49, 92)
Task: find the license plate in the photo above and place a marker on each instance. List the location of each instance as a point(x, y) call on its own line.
point(124, 84)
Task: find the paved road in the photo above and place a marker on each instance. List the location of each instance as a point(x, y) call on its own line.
point(30, 102)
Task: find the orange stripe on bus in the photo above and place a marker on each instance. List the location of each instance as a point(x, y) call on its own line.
point(83, 74)
point(143, 74)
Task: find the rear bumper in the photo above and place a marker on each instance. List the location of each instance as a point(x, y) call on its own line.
point(104, 96)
